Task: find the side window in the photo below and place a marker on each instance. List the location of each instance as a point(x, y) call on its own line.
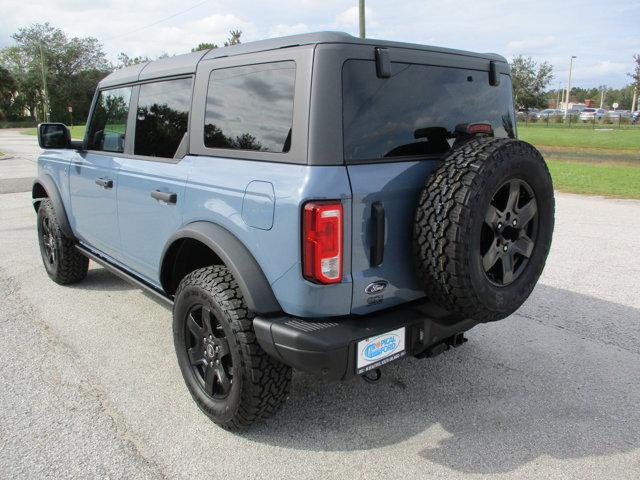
point(162, 118)
point(251, 107)
point(109, 122)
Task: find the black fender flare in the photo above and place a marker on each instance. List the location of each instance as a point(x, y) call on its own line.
point(253, 283)
point(45, 182)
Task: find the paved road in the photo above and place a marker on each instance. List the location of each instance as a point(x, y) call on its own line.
point(90, 386)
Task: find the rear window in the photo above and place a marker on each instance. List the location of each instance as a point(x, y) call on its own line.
point(251, 107)
point(416, 110)
point(588, 110)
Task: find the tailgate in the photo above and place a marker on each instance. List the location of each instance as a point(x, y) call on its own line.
point(396, 187)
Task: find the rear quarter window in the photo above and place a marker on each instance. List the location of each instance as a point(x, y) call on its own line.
point(162, 117)
point(416, 110)
point(251, 107)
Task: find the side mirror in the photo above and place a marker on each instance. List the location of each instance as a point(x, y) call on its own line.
point(54, 135)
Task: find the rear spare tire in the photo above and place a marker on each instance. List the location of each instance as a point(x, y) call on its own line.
point(483, 227)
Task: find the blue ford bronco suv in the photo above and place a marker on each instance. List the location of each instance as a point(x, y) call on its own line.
point(318, 202)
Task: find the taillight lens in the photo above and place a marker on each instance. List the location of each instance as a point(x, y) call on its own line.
point(322, 241)
point(479, 128)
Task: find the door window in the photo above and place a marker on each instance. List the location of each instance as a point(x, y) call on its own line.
point(109, 122)
point(162, 118)
point(251, 107)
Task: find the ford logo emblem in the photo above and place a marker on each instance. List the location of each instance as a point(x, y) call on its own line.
point(376, 287)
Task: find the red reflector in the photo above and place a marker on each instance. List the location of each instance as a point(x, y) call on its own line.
point(322, 241)
point(479, 128)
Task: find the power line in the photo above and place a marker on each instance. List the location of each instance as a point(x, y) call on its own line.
point(158, 21)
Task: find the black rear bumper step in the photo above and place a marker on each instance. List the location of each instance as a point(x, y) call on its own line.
point(152, 292)
point(327, 347)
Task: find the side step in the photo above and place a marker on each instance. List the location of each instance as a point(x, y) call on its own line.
point(149, 290)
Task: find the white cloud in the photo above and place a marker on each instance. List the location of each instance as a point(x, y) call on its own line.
point(502, 26)
point(282, 30)
point(531, 44)
point(349, 18)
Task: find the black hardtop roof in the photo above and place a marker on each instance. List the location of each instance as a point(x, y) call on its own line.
point(187, 63)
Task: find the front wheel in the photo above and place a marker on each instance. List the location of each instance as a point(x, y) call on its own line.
point(232, 380)
point(62, 261)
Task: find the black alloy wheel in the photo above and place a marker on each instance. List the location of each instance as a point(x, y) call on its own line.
point(62, 261)
point(209, 354)
point(230, 377)
point(48, 242)
point(483, 228)
point(509, 232)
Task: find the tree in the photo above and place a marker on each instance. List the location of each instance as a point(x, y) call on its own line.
point(234, 39)
point(8, 89)
point(636, 72)
point(530, 81)
point(204, 46)
point(65, 61)
point(125, 60)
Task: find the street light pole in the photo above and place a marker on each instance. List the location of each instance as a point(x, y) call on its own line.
point(361, 15)
point(566, 105)
point(44, 87)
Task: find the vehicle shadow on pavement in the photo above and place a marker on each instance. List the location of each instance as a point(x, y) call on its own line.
point(101, 279)
point(545, 382)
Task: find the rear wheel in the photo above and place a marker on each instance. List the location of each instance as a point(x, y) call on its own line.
point(483, 228)
point(63, 262)
point(230, 377)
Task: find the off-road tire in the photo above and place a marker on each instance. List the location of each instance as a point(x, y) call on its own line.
point(67, 265)
point(449, 221)
point(260, 383)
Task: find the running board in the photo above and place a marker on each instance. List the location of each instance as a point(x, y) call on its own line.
point(152, 292)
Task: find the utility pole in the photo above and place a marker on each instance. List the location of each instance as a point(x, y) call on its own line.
point(361, 15)
point(634, 102)
point(566, 105)
point(45, 99)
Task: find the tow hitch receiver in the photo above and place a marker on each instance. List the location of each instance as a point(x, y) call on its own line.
point(453, 341)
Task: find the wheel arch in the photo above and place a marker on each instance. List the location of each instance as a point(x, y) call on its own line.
point(45, 187)
point(202, 243)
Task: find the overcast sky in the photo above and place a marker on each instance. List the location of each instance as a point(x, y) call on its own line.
point(603, 34)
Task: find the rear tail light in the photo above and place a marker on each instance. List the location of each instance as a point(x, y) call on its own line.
point(479, 128)
point(322, 241)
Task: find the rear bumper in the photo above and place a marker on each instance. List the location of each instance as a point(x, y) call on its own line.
point(327, 347)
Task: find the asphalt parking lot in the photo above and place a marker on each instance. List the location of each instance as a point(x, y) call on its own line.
point(91, 388)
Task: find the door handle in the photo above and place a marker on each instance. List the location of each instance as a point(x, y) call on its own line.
point(378, 221)
point(166, 197)
point(104, 182)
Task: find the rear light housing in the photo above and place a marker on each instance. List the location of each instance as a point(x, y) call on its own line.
point(479, 128)
point(322, 227)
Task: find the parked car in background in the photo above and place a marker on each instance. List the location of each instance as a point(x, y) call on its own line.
point(634, 117)
point(547, 112)
point(617, 114)
point(588, 114)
